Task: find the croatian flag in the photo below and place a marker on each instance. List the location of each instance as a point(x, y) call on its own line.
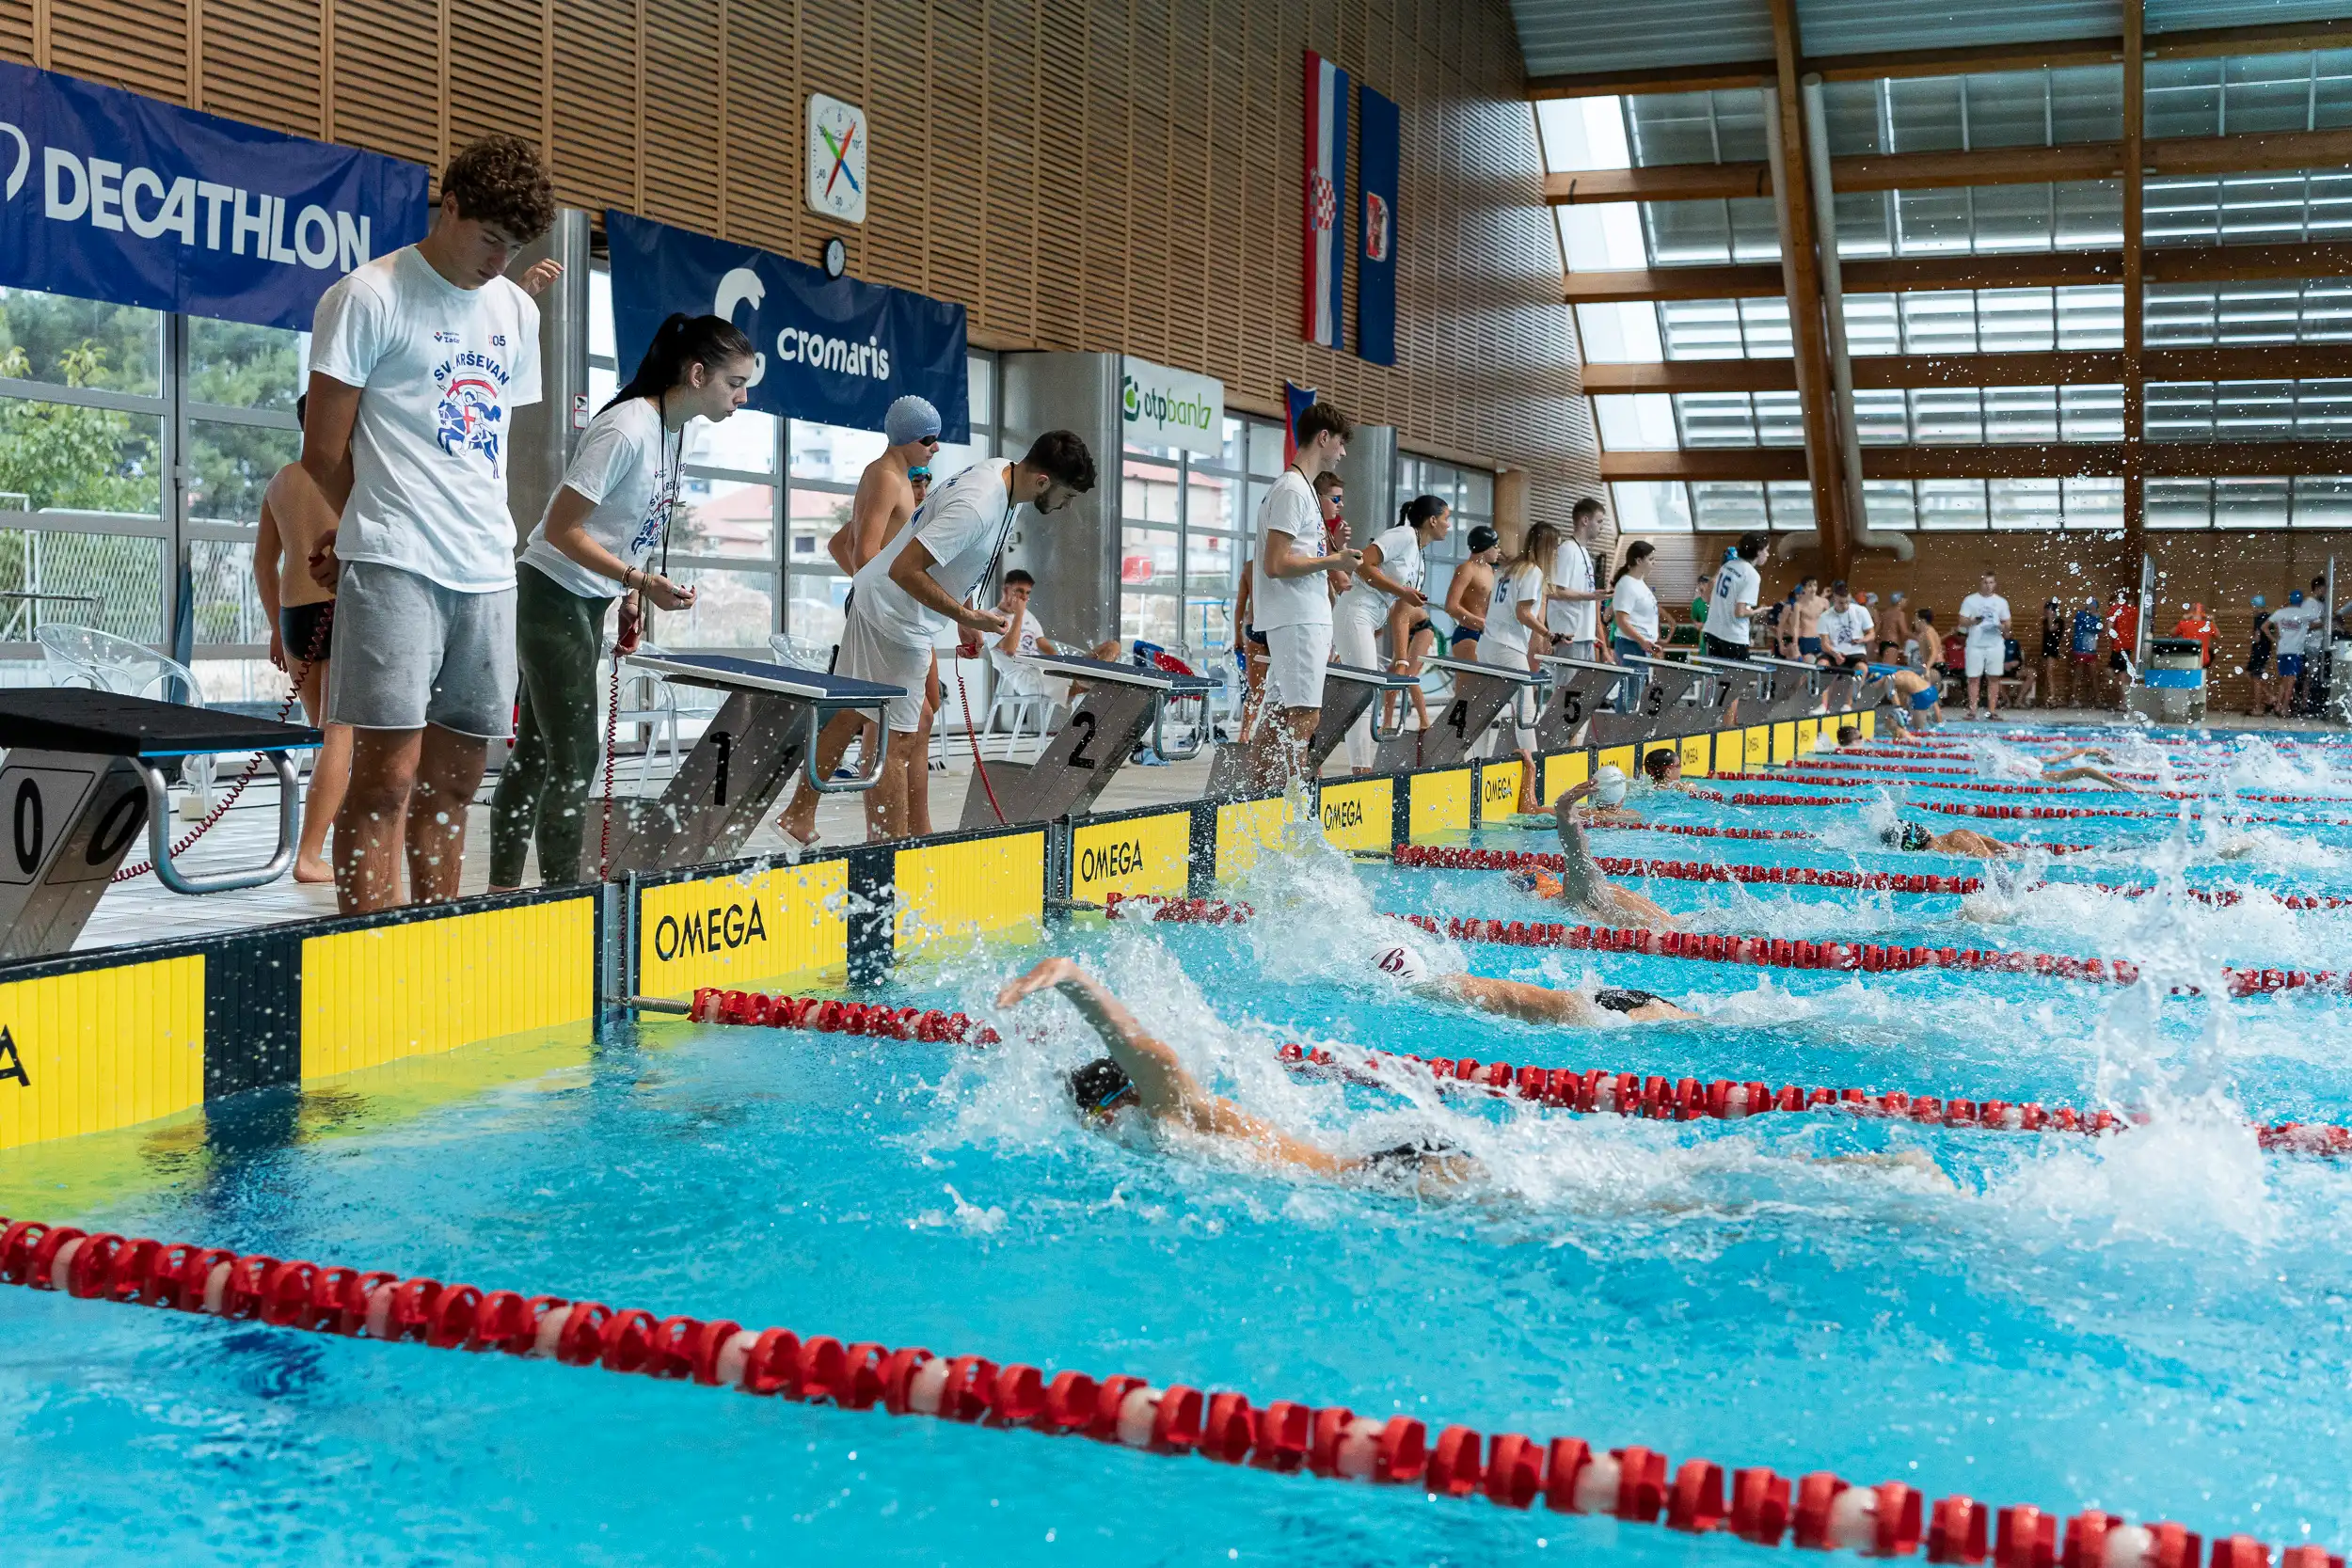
point(1326, 198)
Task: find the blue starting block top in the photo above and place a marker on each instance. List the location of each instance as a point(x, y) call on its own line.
point(1501, 672)
point(727, 672)
point(108, 724)
point(1077, 668)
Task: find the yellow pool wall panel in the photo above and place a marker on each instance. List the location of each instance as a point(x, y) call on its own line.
point(781, 923)
point(1135, 857)
point(1359, 814)
point(413, 987)
point(977, 887)
point(1440, 802)
point(1498, 790)
point(1248, 828)
point(97, 1049)
point(1563, 772)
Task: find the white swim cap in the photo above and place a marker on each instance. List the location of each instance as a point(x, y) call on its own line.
point(1610, 785)
point(1400, 963)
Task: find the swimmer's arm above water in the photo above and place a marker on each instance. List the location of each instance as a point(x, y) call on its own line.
point(1164, 1089)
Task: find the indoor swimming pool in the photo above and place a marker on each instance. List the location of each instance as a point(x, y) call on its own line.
point(2150, 1322)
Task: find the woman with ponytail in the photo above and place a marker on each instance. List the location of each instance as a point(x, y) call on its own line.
point(605, 521)
point(1633, 606)
point(1387, 584)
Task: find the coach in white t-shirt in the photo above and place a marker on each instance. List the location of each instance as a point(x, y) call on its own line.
point(1572, 596)
point(918, 585)
point(1290, 595)
point(1731, 608)
point(417, 362)
point(1984, 616)
point(1845, 629)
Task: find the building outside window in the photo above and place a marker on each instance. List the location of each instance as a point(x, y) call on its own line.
point(1187, 525)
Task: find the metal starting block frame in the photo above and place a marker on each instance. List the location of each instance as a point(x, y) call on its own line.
point(1677, 699)
point(729, 783)
point(1740, 688)
point(1105, 724)
point(1348, 690)
point(1481, 692)
point(1796, 688)
point(1581, 691)
point(83, 773)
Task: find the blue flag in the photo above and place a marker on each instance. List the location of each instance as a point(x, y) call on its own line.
point(106, 194)
point(1375, 259)
point(830, 349)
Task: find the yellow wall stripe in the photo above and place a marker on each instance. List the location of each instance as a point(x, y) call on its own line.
point(975, 887)
point(1142, 856)
point(1440, 804)
point(777, 924)
point(416, 987)
point(1696, 750)
point(1498, 790)
point(101, 1048)
point(1246, 828)
point(1358, 814)
point(1563, 772)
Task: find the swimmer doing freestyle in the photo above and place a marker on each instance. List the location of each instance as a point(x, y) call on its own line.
point(1142, 1075)
point(1521, 999)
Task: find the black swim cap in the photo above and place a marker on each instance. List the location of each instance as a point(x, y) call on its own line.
point(1099, 1084)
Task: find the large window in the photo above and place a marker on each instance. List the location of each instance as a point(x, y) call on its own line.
point(1187, 523)
point(1470, 492)
point(764, 495)
point(99, 407)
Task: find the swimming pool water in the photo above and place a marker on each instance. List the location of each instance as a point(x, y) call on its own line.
point(2152, 1323)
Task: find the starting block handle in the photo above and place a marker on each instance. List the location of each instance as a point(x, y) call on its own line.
point(159, 832)
point(1159, 725)
point(865, 781)
point(1383, 734)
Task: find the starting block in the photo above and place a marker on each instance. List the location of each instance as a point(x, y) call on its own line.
point(1106, 725)
point(1796, 688)
point(1481, 692)
point(1581, 691)
point(1348, 691)
point(729, 783)
point(85, 773)
point(1742, 687)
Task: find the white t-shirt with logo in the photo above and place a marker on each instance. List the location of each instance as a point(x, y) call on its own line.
point(1631, 598)
point(1574, 619)
point(442, 370)
point(1024, 679)
point(1736, 582)
point(1990, 610)
point(2291, 625)
point(1847, 630)
point(962, 524)
point(1506, 634)
point(1302, 601)
point(1400, 561)
point(624, 464)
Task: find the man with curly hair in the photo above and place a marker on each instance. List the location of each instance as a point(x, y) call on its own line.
point(417, 362)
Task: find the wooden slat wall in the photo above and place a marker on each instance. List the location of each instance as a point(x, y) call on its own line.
point(1083, 174)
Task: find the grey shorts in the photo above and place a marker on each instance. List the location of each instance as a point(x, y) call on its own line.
point(868, 656)
point(409, 653)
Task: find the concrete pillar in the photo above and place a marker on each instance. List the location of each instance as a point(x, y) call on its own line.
point(1369, 471)
point(1075, 554)
point(545, 432)
point(1510, 508)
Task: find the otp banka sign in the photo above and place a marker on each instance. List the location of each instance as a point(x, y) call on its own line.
point(1161, 406)
point(830, 349)
point(109, 195)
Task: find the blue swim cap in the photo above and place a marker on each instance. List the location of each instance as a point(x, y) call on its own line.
point(2258, 601)
point(911, 419)
point(2294, 596)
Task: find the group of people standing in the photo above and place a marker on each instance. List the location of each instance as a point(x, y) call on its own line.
point(386, 554)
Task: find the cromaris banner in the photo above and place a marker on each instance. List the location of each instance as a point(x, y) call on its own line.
point(830, 349)
point(106, 194)
point(1326, 199)
point(1377, 159)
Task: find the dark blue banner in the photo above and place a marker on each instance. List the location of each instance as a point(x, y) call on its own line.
point(830, 349)
point(1375, 261)
point(106, 194)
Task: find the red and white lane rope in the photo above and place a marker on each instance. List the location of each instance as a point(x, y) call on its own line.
point(2052, 814)
point(1819, 1511)
point(1597, 1091)
point(1756, 800)
point(1765, 952)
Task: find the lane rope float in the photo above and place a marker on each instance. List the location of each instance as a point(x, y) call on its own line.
point(1819, 1511)
point(1597, 1091)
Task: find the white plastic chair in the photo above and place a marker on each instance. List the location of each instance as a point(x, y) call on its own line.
point(797, 654)
point(100, 660)
point(649, 699)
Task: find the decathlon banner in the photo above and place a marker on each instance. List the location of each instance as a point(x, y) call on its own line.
point(830, 349)
point(106, 194)
point(1376, 262)
point(1326, 198)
